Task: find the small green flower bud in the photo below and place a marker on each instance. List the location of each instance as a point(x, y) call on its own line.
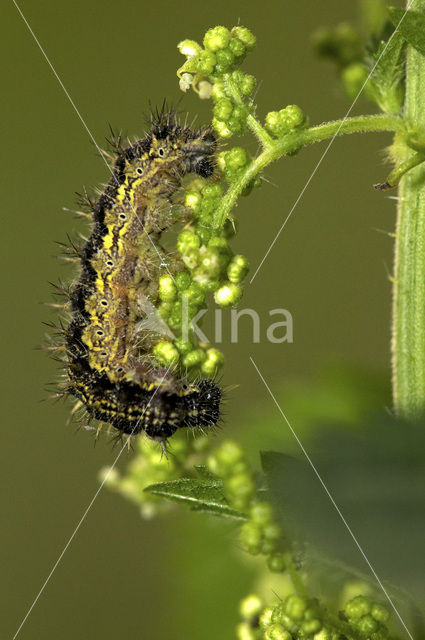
point(237, 47)
point(272, 122)
point(239, 489)
point(250, 537)
point(261, 513)
point(193, 358)
point(205, 62)
point(220, 245)
point(289, 624)
point(216, 38)
point(189, 48)
point(246, 36)
point(272, 532)
point(367, 625)
point(245, 632)
point(221, 160)
point(250, 607)
point(247, 84)
point(268, 548)
point(211, 263)
point(231, 174)
point(191, 258)
point(164, 309)
point(353, 78)
point(323, 634)
point(195, 294)
point(293, 116)
point(207, 282)
point(276, 563)
point(217, 91)
point(237, 157)
point(182, 280)
point(235, 124)
point(266, 618)
point(380, 634)
point(358, 607)
point(230, 453)
point(380, 613)
point(228, 295)
point(193, 200)
point(237, 269)
point(187, 240)
point(223, 109)
point(221, 128)
point(277, 632)
point(239, 113)
point(311, 626)
point(212, 190)
point(205, 216)
point(167, 289)
point(110, 476)
point(176, 316)
point(208, 205)
point(184, 346)
point(204, 233)
point(295, 607)
point(213, 362)
point(166, 353)
point(225, 59)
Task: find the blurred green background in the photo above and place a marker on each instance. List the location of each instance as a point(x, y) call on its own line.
point(181, 576)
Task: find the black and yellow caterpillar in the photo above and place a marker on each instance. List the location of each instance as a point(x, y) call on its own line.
point(109, 368)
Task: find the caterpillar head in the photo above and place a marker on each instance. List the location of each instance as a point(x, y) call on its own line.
point(194, 149)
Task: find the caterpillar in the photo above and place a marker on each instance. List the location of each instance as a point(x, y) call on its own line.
point(109, 366)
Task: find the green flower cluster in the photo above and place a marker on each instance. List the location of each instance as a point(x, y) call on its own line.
point(302, 618)
point(230, 116)
point(233, 164)
point(367, 617)
point(149, 466)
point(211, 69)
point(260, 534)
point(279, 123)
point(293, 618)
point(208, 266)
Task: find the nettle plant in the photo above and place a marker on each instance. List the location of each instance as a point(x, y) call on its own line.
point(220, 481)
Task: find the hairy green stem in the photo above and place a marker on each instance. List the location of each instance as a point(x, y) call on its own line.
point(408, 337)
point(295, 577)
point(292, 142)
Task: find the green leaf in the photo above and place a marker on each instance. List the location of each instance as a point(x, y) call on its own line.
point(204, 472)
point(205, 495)
point(411, 25)
point(385, 63)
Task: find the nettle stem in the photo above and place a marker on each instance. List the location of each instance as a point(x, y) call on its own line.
point(408, 338)
point(273, 149)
